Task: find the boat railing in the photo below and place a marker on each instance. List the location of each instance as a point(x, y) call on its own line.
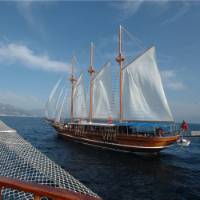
point(41, 191)
point(165, 130)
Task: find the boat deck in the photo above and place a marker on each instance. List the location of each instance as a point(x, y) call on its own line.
point(20, 160)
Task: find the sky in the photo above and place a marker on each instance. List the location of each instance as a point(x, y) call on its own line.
point(39, 38)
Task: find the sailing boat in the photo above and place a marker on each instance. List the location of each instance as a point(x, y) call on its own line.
point(144, 122)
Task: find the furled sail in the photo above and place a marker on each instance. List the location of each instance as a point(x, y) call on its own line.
point(143, 94)
point(79, 99)
point(102, 93)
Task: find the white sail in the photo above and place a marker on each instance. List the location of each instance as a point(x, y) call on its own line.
point(102, 93)
point(65, 107)
point(143, 95)
point(65, 99)
point(50, 103)
point(79, 100)
point(59, 100)
point(54, 90)
point(58, 104)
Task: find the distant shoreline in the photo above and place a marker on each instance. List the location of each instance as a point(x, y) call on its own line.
point(2, 115)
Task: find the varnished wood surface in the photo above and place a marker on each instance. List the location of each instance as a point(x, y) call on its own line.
point(122, 142)
point(41, 190)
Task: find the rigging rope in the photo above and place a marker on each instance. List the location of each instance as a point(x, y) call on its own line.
point(137, 41)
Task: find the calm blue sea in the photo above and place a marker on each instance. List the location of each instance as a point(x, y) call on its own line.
point(174, 174)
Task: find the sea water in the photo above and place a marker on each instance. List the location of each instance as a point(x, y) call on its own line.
point(173, 174)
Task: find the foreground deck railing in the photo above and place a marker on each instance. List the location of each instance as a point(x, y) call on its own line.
point(40, 191)
point(27, 174)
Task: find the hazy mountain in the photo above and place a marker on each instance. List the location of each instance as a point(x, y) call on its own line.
point(7, 109)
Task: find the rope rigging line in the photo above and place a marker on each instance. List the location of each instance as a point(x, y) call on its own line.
point(136, 40)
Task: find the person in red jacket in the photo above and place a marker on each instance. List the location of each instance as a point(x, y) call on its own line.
point(110, 120)
point(184, 126)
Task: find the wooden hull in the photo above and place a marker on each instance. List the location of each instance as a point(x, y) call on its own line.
point(129, 143)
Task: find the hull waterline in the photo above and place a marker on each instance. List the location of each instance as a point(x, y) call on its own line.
point(126, 143)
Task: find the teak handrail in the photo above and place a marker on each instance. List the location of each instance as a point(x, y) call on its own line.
point(39, 190)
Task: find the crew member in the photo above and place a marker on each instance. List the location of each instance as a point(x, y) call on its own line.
point(159, 131)
point(184, 126)
point(110, 120)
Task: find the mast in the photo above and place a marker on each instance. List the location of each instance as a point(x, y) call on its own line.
point(91, 72)
point(120, 59)
point(73, 81)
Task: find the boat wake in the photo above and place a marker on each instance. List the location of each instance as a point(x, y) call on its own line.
point(183, 142)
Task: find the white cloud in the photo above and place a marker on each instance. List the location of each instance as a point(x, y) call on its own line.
point(22, 101)
point(11, 53)
point(170, 80)
point(127, 8)
point(131, 7)
point(25, 9)
point(28, 9)
point(4, 38)
point(184, 8)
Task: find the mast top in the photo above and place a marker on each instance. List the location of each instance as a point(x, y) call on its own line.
point(120, 58)
point(91, 68)
point(72, 78)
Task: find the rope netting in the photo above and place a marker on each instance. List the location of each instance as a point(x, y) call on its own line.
point(20, 160)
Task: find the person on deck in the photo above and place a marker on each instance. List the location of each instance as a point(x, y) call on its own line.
point(110, 120)
point(159, 131)
point(184, 126)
